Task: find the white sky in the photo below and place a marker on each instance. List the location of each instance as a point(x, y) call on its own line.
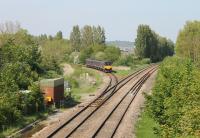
point(120, 18)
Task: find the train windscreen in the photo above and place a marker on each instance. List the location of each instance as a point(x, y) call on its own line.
point(108, 63)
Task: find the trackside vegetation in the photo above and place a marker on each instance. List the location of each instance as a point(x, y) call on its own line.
point(146, 127)
point(20, 69)
point(83, 81)
point(175, 100)
point(26, 59)
point(148, 44)
point(174, 103)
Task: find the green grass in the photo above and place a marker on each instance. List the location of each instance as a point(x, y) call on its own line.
point(83, 86)
point(123, 73)
point(145, 127)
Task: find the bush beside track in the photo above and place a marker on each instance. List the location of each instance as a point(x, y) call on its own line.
point(174, 103)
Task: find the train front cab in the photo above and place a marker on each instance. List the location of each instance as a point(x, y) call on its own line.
point(108, 67)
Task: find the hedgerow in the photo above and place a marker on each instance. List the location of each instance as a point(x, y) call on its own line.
point(174, 102)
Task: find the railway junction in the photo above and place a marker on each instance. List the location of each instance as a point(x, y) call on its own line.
point(112, 113)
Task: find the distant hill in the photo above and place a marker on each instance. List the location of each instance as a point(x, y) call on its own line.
point(123, 45)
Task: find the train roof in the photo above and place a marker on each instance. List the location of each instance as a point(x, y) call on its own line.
point(98, 60)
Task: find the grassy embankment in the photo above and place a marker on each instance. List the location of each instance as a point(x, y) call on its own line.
point(145, 126)
point(82, 85)
point(83, 81)
point(123, 73)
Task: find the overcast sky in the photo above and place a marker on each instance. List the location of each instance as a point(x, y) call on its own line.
point(120, 18)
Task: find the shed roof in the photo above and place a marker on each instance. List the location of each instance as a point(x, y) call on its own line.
point(52, 82)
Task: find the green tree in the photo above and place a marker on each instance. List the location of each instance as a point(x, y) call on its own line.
point(99, 35)
point(9, 113)
point(174, 103)
point(59, 35)
point(24, 54)
point(50, 37)
point(100, 56)
point(19, 73)
point(75, 38)
point(165, 48)
point(112, 53)
point(85, 53)
point(35, 98)
point(144, 41)
point(188, 41)
point(148, 44)
point(43, 37)
point(87, 36)
point(98, 48)
point(22, 37)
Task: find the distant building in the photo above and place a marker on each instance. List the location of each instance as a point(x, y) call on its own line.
point(126, 51)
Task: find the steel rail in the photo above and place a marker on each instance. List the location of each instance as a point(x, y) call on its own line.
point(135, 93)
point(85, 119)
point(101, 95)
point(135, 86)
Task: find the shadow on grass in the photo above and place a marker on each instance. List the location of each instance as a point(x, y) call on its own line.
point(114, 71)
point(70, 102)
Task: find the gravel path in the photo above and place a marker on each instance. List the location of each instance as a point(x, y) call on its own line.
point(121, 68)
point(67, 69)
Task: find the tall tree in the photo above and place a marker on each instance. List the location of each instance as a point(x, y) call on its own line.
point(87, 36)
point(43, 37)
point(50, 37)
point(165, 47)
point(142, 41)
point(151, 45)
point(75, 38)
point(59, 35)
point(188, 41)
point(145, 42)
point(99, 35)
point(9, 27)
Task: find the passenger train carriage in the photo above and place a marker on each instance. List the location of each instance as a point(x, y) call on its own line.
point(105, 66)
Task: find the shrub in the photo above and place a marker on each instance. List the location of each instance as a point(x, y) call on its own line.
point(175, 99)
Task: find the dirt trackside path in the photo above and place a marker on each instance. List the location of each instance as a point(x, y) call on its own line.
point(67, 69)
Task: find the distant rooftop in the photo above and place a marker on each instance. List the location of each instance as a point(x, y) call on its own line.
point(123, 45)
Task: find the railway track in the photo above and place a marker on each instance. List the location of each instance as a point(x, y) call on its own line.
point(84, 114)
point(118, 112)
point(112, 83)
point(109, 88)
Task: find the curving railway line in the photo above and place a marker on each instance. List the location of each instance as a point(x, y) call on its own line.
point(117, 114)
point(102, 116)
